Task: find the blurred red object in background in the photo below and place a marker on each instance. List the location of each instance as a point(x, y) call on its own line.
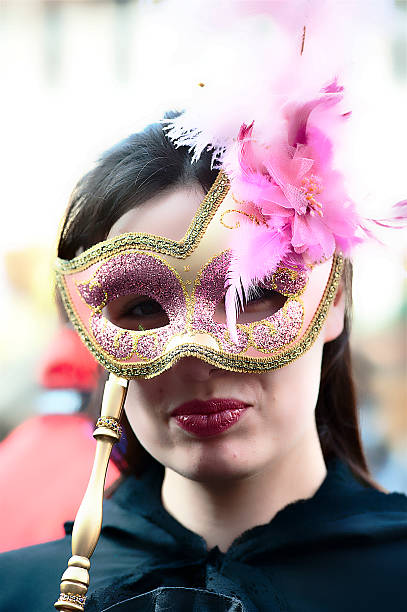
point(68, 364)
point(45, 465)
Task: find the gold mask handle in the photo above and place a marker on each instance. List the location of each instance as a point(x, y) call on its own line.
point(88, 522)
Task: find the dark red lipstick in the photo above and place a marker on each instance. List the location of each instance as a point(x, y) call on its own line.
point(208, 418)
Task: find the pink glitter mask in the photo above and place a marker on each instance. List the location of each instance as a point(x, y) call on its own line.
point(141, 302)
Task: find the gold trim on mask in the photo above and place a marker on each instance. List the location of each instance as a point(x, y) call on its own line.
point(150, 242)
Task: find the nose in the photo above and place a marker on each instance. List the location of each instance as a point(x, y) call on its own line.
point(189, 369)
point(192, 368)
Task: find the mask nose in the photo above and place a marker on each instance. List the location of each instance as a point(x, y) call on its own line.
point(200, 338)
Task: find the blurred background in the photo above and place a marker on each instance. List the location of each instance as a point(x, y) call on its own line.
point(78, 76)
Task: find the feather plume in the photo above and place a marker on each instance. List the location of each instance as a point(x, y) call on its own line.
point(273, 112)
point(398, 220)
point(257, 251)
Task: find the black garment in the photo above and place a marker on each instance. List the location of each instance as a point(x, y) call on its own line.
point(344, 549)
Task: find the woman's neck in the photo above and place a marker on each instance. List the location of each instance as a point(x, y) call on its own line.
point(220, 511)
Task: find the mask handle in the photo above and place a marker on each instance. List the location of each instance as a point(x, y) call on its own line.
point(88, 522)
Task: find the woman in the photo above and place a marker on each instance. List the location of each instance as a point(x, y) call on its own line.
point(244, 490)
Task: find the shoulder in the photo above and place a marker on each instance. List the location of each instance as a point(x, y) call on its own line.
point(367, 542)
point(382, 513)
point(363, 514)
point(343, 495)
point(344, 549)
point(379, 522)
point(31, 576)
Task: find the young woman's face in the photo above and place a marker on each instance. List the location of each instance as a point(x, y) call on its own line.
point(276, 409)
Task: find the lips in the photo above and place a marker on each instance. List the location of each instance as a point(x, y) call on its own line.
point(209, 418)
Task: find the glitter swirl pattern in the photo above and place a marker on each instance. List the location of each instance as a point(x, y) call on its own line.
point(114, 340)
point(148, 347)
point(273, 333)
point(134, 273)
point(281, 329)
point(288, 282)
point(208, 292)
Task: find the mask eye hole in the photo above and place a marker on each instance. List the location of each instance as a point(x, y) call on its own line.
point(261, 304)
point(136, 312)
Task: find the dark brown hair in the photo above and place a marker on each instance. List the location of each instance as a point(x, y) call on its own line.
point(336, 412)
point(132, 172)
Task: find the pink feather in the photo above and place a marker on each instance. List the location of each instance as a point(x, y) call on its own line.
point(397, 221)
point(273, 118)
point(256, 252)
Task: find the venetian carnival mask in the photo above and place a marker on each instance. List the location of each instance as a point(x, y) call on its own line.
point(188, 279)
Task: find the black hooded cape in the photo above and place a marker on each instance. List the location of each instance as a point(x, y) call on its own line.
point(344, 549)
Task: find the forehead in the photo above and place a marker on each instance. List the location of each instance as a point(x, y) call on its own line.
point(167, 214)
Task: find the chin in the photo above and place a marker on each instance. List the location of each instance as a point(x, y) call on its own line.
point(217, 464)
point(213, 474)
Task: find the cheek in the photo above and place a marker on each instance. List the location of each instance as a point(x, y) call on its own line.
point(292, 393)
point(145, 412)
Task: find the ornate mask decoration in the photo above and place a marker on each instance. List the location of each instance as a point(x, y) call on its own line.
point(187, 281)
